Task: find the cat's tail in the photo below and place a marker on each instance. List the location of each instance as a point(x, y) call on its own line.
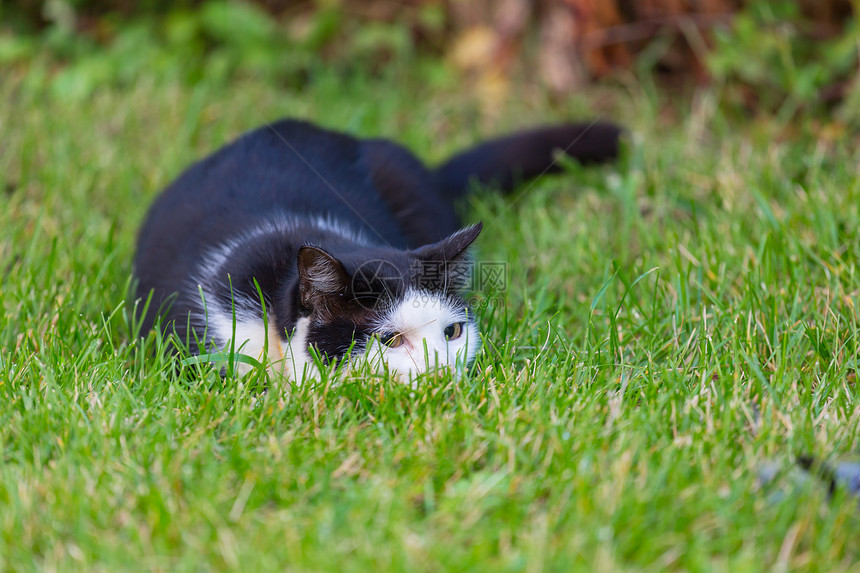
point(515, 158)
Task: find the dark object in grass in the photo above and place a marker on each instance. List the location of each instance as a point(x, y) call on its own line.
point(839, 473)
point(296, 245)
point(809, 471)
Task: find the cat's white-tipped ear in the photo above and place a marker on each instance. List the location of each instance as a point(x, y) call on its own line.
point(321, 276)
point(452, 247)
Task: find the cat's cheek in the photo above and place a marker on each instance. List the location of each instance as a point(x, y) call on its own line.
point(378, 358)
point(372, 357)
point(472, 345)
point(406, 364)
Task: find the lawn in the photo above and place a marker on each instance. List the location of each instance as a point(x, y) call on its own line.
point(669, 324)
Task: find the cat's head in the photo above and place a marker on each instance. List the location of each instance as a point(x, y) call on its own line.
point(389, 308)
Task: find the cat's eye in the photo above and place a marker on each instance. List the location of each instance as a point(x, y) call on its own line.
point(453, 331)
point(391, 339)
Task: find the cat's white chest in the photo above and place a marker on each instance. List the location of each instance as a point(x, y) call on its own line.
point(261, 340)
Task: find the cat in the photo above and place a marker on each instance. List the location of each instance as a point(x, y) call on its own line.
point(333, 236)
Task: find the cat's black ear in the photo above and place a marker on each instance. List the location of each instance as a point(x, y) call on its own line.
point(452, 247)
point(321, 277)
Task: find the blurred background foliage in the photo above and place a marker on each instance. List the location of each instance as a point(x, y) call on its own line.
point(783, 57)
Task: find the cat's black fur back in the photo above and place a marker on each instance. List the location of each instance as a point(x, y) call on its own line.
point(358, 199)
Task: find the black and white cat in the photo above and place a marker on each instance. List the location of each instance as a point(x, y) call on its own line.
point(336, 233)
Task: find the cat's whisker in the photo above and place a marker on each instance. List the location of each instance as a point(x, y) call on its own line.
point(412, 358)
point(414, 328)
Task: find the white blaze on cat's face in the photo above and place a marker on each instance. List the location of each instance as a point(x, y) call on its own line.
point(423, 332)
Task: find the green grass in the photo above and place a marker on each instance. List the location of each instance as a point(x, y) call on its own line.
point(670, 323)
